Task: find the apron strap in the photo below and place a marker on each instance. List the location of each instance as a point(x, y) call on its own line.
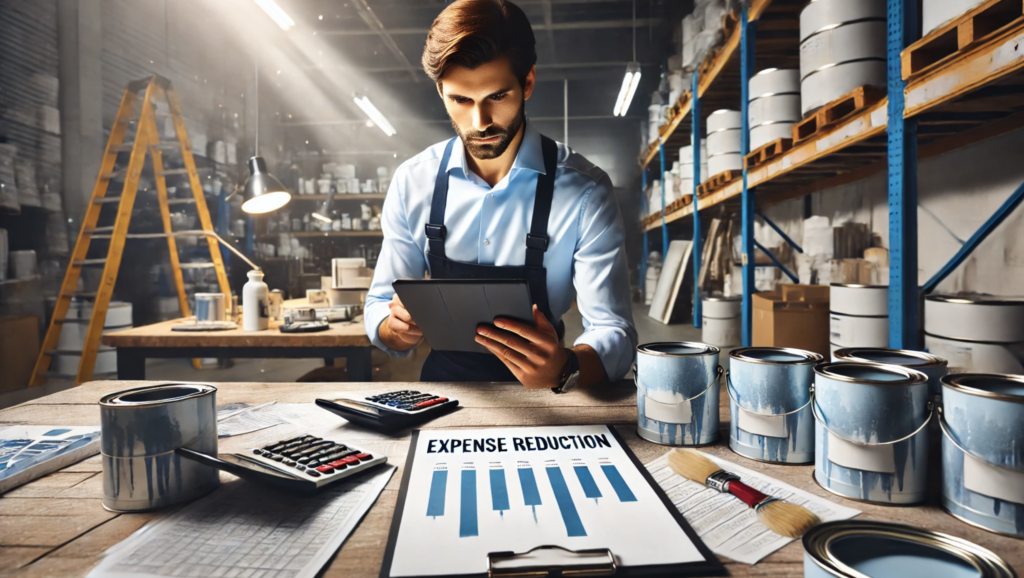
point(537, 238)
point(435, 230)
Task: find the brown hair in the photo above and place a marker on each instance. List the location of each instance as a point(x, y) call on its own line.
point(473, 32)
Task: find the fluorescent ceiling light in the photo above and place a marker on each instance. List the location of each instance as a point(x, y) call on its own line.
point(375, 115)
point(276, 13)
point(629, 83)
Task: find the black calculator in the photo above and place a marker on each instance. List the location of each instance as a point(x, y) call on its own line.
point(304, 463)
point(391, 411)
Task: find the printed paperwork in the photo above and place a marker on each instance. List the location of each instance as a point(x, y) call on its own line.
point(728, 526)
point(240, 418)
point(30, 452)
point(244, 529)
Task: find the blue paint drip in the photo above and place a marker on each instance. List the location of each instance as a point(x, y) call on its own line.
point(499, 491)
point(618, 484)
point(573, 524)
point(435, 501)
point(590, 488)
point(467, 507)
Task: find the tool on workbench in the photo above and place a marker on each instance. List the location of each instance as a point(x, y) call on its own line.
point(392, 411)
point(141, 114)
point(781, 517)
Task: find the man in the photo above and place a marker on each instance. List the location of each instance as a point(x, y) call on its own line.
point(503, 202)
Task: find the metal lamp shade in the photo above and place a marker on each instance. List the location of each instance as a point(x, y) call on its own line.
point(323, 213)
point(263, 193)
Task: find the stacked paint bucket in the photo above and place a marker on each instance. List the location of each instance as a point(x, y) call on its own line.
point(721, 321)
point(769, 404)
point(982, 421)
point(859, 316)
point(774, 105)
point(976, 333)
point(724, 130)
point(686, 167)
point(870, 434)
point(842, 47)
point(677, 389)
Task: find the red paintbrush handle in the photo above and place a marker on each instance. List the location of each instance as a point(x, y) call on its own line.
point(750, 496)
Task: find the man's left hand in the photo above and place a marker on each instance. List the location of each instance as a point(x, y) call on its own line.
point(532, 352)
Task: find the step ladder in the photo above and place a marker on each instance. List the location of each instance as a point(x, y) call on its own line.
point(142, 114)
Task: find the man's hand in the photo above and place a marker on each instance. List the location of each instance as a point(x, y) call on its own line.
point(532, 353)
point(399, 331)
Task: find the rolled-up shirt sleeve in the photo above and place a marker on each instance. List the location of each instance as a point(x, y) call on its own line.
point(601, 279)
point(400, 258)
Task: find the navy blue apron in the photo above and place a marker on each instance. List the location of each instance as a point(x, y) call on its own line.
point(467, 366)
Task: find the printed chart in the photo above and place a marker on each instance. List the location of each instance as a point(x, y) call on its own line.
point(514, 489)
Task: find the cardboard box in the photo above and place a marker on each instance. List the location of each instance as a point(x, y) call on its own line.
point(795, 316)
point(19, 347)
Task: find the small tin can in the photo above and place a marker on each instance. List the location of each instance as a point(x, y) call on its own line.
point(859, 548)
point(210, 307)
point(275, 305)
point(677, 393)
point(870, 434)
point(139, 431)
point(931, 365)
point(769, 404)
point(982, 421)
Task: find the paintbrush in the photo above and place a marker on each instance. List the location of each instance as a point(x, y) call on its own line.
point(781, 517)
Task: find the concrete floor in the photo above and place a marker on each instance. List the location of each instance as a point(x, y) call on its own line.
point(385, 369)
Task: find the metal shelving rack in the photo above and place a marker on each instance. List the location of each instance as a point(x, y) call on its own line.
point(970, 95)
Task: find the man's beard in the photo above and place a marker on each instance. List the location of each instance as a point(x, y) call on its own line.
point(504, 134)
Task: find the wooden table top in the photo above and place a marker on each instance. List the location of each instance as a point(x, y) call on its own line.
point(56, 526)
point(340, 334)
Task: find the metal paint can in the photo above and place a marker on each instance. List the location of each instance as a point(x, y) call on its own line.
point(860, 548)
point(870, 434)
point(721, 321)
point(140, 429)
point(210, 307)
point(859, 300)
point(855, 331)
point(933, 366)
point(982, 421)
point(677, 393)
point(970, 356)
point(769, 404)
point(974, 317)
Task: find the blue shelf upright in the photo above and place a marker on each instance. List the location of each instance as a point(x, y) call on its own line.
point(646, 250)
point(748, 37)
point(661, 176)
point(695, 139)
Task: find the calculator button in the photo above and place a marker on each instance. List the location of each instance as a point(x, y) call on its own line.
point(364, 457)
point(303, 460)
point(258, 452)
point(313, 473)
point(326, 468)
point(430, 402)
point(277, 458)
point(288, 462)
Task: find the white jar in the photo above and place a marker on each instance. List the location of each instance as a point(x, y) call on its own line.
point(255, 305)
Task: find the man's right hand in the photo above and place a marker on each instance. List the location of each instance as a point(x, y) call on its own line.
point(399, 331)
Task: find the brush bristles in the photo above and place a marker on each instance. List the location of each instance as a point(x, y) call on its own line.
point(786, 519)
point(691, 465)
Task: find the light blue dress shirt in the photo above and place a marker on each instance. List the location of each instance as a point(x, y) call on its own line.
point(585, 260)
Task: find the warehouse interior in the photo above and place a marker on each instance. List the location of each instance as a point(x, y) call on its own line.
point(820, 177)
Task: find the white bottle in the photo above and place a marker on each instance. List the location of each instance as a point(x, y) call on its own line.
point(255, 304)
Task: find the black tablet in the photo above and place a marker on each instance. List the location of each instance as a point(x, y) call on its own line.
point(448, 311)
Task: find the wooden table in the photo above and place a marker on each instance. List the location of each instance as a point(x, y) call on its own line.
point(56, 526)
point(343, 339)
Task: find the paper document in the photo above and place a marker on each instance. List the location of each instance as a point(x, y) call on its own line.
point(238, 419)
point(243, 529)
point(32, 451)
point(728, 526)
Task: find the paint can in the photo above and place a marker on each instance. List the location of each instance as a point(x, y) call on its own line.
point(870, 434)
point(859, 300)
point(765, 133)
point(677, 393)
point(859, 548)
point(23, 264)
point(976, 332)
point(858, 315)
point(210, 307)
point(774, 105)
point(982, 419)
point(721, 322)
point(931, 365)
point(140, 429)
point(769, 404)
point(719, 163)
point(73, 336)
point(974, 356)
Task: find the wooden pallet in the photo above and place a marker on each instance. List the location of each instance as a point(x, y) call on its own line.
point(669, 209)
point(963, 32)
point(839, 109)
point(716, 182)
point(767, 152)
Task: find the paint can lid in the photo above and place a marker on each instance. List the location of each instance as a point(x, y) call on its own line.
point(999, 386)
point(870, 373)
point(903, 357)
point(155, 395)
point(859, 548)
point(776, 355)
point(677, 349)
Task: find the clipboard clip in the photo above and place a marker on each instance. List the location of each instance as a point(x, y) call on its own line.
point(552, 561)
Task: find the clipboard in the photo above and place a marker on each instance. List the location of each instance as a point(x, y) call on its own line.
point(556, 560)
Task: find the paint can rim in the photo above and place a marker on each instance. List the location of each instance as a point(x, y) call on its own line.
point(117, 399)
point(705, 349)
point(960, 382)
point(809, 357)
point(911, 376)
point(850, 354)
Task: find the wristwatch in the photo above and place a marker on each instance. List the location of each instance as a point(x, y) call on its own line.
point(571, 375)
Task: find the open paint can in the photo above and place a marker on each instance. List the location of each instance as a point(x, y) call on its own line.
point(982, 421)
point(139, 431)
point(931, 365)
point(870, 434)
point(677, 393)
point(861, 548)
point(770, 404)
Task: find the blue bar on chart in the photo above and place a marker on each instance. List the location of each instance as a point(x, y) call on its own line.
point(467, 506)
point(435, 500)
point(590, 488)
point(499, 490)
point(531, 496)
point(618, 484)
point(573, 524)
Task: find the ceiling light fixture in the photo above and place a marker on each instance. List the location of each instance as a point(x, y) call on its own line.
point(262, 192)
point(631, 80)
point(375, 115)
point(276, 13)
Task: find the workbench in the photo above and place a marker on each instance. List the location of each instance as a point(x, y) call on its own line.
point(56, 526)
point(344, 339)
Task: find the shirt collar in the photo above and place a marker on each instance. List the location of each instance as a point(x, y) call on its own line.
point(529, 156)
